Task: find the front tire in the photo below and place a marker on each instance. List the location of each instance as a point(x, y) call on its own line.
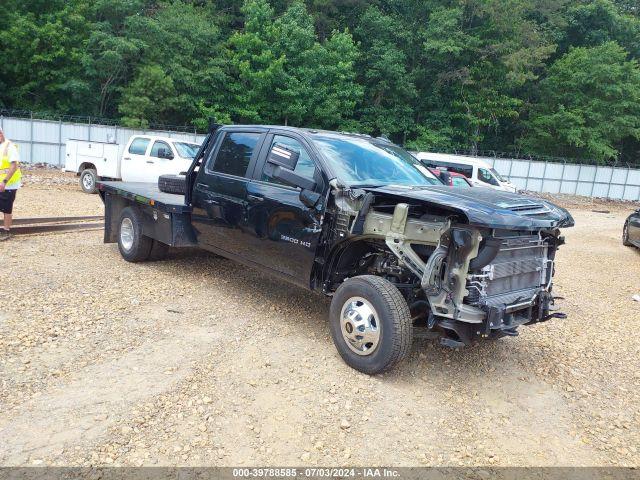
point(133, 245)
point(370, 324)
point(625, 235)
point(88, 179)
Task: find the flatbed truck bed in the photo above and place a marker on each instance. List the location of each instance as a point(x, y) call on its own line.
point(147, 193)
point(166, 217)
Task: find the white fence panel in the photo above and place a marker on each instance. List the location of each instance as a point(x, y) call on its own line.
point(571, 172)
point(634, 177)
point(554, 171)
point(48, 132)
point(74, 131)
point(586, 180)
point(43, 141)
point(101, 133)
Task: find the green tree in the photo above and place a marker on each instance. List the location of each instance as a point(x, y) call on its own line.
point(285, 75)
point(588, 105)
point(389, 92)
point(151, 95)
point(185, 41)
point(598, 21)
point(479, 59)
point(41, 47)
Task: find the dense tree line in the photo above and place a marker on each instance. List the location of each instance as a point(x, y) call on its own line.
point(544, 77)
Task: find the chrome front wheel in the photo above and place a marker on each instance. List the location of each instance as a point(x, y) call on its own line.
point(88, 179)
point(360, 326)
point(370, 324)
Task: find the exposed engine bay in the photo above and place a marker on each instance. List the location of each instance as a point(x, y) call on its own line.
point(460, 278)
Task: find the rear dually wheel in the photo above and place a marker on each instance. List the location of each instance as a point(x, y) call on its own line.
point(133, 245)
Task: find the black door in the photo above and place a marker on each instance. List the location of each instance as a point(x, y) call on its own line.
point(284, 231)
point(220, 193)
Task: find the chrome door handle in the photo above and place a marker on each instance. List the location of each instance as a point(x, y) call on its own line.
point(211, 202)
point(149, 161)
point(255, 198)
point(127, 158)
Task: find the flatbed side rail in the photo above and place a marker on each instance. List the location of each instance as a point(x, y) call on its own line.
point(141, 199)
point(169, 223)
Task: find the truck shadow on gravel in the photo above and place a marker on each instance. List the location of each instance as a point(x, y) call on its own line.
point(294, 305)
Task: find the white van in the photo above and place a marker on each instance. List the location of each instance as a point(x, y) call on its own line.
point(479, 172)
point(143, 159)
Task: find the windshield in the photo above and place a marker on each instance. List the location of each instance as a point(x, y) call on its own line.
point(495, 172)
point(359, 162)
point(187, 150)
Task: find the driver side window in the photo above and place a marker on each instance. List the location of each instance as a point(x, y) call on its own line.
point(305, 167)
point(157, 145)
point(485, 176)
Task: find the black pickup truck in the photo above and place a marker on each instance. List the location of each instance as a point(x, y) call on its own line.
point(361, 220)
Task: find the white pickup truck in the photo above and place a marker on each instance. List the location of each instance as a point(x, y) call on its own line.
point(143, 159)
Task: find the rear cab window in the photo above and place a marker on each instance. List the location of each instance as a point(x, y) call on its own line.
point(234, 154)
point(466, 170)
point(139, 146)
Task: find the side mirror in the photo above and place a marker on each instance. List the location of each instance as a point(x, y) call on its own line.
point(281, 164)
point(165, 153)
point(282, 156)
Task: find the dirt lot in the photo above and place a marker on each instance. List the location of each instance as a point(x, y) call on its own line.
point(197, 361)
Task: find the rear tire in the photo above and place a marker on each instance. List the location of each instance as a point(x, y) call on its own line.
point(133, 245)
point(375, 308)
point(625, 235)
point(173, 184)
point(88, 179)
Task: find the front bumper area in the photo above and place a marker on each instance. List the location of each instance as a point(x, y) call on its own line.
point(500, 321)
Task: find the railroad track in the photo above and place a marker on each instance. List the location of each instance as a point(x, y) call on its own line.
point(26, 226)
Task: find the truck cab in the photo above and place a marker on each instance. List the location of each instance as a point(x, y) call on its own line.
point(358, 219)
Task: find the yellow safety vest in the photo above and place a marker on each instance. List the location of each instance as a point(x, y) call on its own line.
point(5, 164)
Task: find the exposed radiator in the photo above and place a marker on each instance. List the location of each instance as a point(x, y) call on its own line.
point(515, 275)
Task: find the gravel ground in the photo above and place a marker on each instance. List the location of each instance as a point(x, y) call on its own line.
point(195, 361)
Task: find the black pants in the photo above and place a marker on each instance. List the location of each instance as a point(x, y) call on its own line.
point(6, 201)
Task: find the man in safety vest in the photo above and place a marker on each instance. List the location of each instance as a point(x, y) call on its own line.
point(10, 176)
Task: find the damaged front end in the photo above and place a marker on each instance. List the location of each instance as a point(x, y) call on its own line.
point(461, 281)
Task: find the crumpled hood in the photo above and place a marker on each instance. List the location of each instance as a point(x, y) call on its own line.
point(487, 207)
